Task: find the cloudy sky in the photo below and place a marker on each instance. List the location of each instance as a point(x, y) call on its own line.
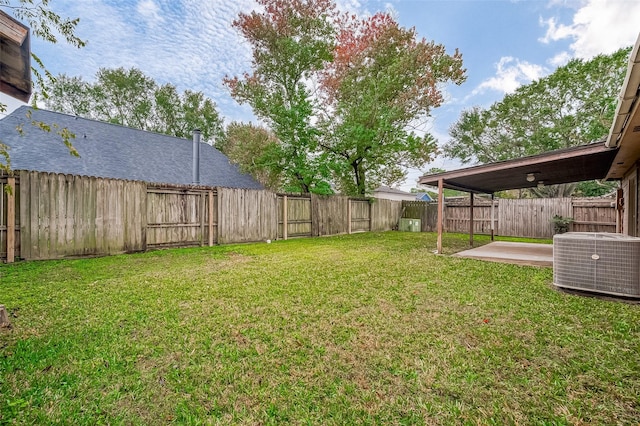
point(191, 44)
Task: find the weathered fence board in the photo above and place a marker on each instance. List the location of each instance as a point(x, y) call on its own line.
point(4, 216)
point(246, 215)
point(385, 214)
point(330, 215)
point(177, 217)
point(456, 216)
point(298, 216)
point(531, 217)
point(360, 215)
point(426, 212)
point(64, 215)
point(593, 215)
point(60, 215)
point(518, 217)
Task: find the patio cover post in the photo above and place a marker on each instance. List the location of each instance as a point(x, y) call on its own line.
point(492, 214)
point(471, 219)
point(440, 214)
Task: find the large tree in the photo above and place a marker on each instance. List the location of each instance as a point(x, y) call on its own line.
point(291, 40)
point(382, 81)
point(130, 98)
point(48, 25)
point(572, 106)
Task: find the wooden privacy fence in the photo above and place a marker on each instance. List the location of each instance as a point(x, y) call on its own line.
point(426, 212)
point(51, 216)
point(593, 215)
point(313, 215)
point(531, 217)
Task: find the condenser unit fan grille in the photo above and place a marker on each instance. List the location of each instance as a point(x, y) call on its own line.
point(597, 261)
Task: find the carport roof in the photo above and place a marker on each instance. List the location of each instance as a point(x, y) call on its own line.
point(574, 164)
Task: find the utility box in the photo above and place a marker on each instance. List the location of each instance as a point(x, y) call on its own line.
point(410, 225)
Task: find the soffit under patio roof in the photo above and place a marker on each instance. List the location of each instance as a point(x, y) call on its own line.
point(576, 164)
point(625, 130)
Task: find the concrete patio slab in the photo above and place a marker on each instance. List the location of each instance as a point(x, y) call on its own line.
point(510, 252)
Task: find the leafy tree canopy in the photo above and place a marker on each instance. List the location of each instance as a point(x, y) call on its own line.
point(341, 93)
point(572, 106)
point(290, 41)
point(382, 80)
point(257, 151)
point(130, 98)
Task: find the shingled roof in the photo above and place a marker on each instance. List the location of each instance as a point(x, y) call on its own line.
point(113, 151)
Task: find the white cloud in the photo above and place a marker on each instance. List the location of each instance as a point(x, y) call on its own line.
point(190, 44)
point(599, 26)
point(560, 59)
point(555, 31)
point(150, 11)
point(511, 73)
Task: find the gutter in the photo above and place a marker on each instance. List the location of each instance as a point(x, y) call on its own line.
point(627, 99)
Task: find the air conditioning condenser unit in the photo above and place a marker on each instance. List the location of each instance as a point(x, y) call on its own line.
point(597, 261)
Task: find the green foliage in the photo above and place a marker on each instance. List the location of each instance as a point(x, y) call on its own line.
point(374, 79)
point(130, 98)
point(591, 188)
point(561, 224)
point(434, 171)
point(44, 22)
point(256, 151)
point(370, 328)
point(381, 81)
point(572, 106)
point(551, 191)
point(290, 41)
point(595, 188)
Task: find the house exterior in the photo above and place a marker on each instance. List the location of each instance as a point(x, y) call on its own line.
point(15, 60)
point(386, 193)
point(424, 196)
point(112, 151)
point(625, 136)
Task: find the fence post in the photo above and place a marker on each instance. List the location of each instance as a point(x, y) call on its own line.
point(210, 218)
point(11, 220)
point(285, 218)
point(440, 214)
point(348, 216)
point(202, 205)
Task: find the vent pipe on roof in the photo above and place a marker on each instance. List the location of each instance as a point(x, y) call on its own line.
point(195, 170)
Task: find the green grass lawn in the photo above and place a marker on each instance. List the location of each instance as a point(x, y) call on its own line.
point(365, 329)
